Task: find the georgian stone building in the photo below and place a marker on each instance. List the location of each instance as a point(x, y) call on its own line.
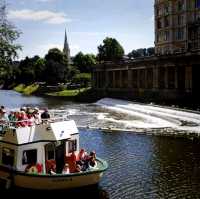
point(173, 73)
point(177, 26)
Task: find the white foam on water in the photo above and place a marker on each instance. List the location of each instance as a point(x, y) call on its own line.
point(151, 116)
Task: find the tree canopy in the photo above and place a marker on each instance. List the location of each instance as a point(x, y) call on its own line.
point(84, 63)
point(8, 49)
point(110, 50)
point(56, 66)
point(141, 52)
point(8, 35)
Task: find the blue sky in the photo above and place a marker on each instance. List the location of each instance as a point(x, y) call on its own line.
point(87, 22)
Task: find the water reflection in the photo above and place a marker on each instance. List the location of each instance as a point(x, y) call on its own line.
point(12, 99)
point(143, 166)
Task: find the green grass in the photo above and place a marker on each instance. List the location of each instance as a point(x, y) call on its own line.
point(20, 88)
point(68, 93)
point(27, 90)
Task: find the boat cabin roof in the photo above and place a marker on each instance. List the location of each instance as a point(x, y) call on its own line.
point(49, 132)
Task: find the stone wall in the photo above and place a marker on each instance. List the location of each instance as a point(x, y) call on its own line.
point(175, 77)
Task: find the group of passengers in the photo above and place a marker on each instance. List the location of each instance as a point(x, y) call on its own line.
point(26, 116)
point(75, 163)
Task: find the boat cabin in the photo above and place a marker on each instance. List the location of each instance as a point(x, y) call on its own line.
point(21, 147)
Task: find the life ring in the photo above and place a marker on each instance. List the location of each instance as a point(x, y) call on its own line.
point(33, 169)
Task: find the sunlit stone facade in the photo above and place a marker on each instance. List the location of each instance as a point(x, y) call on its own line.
point(177, 26)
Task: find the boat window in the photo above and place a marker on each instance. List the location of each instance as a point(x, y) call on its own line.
point(8, 156)
point(29, 156)
point(72, 145)
point(50, 151)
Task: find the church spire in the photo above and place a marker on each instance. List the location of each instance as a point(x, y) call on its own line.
point(66, 49)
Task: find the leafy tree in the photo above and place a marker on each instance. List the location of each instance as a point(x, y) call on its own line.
point(110, 50)
point(56, 66)
point(26, 70)
point(8, 34)
point(8, 50)
point(84, 79)
point(84, 63)
point(141, 52)
point(151, 51)
point(134, 54)
point(39, 68)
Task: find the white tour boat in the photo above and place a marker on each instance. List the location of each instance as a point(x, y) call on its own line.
point(36, 145)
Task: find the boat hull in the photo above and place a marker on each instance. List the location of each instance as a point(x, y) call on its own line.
point(10, 178)
point(56, 182)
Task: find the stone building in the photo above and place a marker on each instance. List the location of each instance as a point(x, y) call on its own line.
point(173, 73)
point(176, 26)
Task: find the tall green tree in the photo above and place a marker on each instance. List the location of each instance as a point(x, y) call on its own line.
point(110, 50)
point(84, 63)
point(8, 35)
point(8, 49)
point(56, 66)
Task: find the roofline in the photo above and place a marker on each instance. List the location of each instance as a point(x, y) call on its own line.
point(6, 142)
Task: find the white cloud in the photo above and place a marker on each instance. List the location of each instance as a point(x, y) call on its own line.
point(42, 15)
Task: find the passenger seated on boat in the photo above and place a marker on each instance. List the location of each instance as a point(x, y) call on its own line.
point(90, 161)
point(50, 166)
point(39, 167)
point(3, 116)
point(65, 169)
point(45, 116)
point(23, 119)
point(31, 169)
point(71, 160)
point(78, 169)
point(81, 155)
point(36, 115)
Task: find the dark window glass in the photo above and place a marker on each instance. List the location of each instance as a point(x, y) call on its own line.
point(197, 3)
point(8, 156)
point(72, 146)
point(29, 157)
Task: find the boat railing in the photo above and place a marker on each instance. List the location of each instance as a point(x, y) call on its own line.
point(4, 124)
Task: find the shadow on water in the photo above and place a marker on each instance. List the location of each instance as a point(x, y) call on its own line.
point(89, 192)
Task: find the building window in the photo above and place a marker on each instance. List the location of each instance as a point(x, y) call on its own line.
point(166, 36)
point(179, 34)
point(197, 3)
point(72, 146)
point(180, 5)
point(180, 19)
point(159, 24)
point(166, 9)
point(159, 11)
point(160, 36)
point(8, 156)
point(29, 157)
point(166, 21)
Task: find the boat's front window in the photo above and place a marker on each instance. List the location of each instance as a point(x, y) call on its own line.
point(29, 156)
point(72, 145)
point(8, 156)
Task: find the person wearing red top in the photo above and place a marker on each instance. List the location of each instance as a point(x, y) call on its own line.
point(71, 160)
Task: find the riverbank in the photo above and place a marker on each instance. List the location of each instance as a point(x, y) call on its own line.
point(80, 94)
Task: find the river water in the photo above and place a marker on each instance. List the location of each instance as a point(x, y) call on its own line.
point(140, 166)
